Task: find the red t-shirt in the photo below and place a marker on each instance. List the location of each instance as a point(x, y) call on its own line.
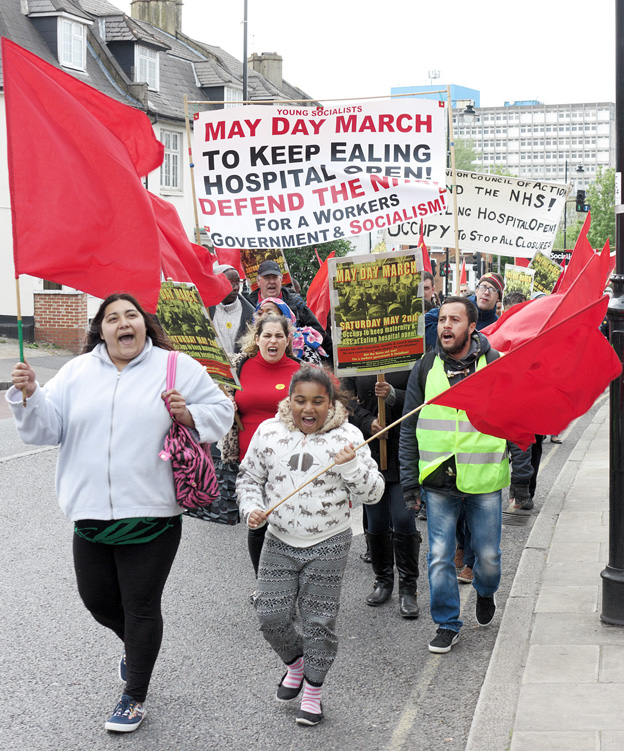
point(264, 386)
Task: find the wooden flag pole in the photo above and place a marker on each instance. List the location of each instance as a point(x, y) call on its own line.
point(333, 464)
point(192, 168)
point(381, 418)
point(454, 178)
point(20, 332)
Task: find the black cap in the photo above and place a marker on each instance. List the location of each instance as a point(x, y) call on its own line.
point(268, 268)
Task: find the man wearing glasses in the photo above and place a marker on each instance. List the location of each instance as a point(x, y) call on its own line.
point(489, 291)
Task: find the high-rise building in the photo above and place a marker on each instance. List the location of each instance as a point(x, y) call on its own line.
point(531, 139)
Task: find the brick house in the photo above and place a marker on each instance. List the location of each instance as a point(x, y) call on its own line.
point(145, 61)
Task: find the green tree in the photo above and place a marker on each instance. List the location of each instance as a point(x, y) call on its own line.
point(600, 195)
point(303, 263)
point(464, 154)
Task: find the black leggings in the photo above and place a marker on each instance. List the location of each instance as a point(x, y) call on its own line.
point(122, 586)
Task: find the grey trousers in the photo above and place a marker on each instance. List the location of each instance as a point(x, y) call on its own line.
point(312, 578)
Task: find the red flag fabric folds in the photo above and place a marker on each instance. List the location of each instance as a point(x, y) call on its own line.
point(543, 384)
point(318, 293)
point(231, 256)
point(80, 213)
point(581, 255)
point(463, 279)
point(425, 252)
point(184, 261)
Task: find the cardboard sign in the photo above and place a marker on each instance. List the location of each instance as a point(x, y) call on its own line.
point(376, 312)
point(519, 279)
point(286, 177)
point(183, 316)
point(502, 215)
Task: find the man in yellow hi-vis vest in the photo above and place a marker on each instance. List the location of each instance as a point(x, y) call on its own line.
point(443, 457)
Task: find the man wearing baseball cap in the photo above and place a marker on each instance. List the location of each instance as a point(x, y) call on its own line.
point(269, 278)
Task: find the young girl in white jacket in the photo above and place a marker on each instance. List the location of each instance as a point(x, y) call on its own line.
point(309, 536)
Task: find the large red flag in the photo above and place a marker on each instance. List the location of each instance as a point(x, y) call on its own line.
point(80, 213)
point(184, 261)
point(542, 385)
point(318, 293)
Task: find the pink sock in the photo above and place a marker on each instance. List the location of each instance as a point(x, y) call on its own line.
point(311, 700)
point(294, 675)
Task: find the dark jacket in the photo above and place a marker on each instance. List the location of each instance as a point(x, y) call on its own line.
point(246, 317)
point(486, 317)
point(415, 396)
point(365, 411)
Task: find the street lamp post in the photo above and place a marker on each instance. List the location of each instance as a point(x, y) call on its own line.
point(613, 574)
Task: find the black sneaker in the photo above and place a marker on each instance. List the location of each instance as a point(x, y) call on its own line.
point(287, 694)
point(486, 607)
point(309, 718)
point(443, 640)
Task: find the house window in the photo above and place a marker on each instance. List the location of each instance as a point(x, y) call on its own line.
point(72, 44)
point(146, 62)
point(233, 97)
point(170, 175)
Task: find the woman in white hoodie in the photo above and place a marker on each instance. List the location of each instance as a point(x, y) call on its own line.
point(309, 536)
point(106, 410)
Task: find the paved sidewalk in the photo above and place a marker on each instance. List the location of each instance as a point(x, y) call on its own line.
point(556, 676)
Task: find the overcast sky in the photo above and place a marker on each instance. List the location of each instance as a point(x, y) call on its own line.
point(549, 50)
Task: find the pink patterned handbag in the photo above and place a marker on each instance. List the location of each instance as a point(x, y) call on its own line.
point(193, 469)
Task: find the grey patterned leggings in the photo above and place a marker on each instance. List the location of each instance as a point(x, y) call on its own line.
point(311, 577)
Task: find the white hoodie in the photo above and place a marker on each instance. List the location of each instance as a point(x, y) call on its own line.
point(280, 458)
point(111, 425)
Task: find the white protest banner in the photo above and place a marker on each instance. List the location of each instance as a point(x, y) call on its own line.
point(496, 214)
point(286, 177)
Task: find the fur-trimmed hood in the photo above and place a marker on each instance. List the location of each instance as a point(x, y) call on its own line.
point(336, 416)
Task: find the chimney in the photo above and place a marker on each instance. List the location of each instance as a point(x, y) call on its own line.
point(164, 14)
point(268, 64)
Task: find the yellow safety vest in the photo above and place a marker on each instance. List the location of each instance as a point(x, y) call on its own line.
point(443, 432)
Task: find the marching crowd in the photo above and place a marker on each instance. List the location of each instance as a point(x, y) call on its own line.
point(296, 425)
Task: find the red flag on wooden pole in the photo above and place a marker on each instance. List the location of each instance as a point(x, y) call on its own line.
point(318, 293)
point(462, 277)
point(81, 215)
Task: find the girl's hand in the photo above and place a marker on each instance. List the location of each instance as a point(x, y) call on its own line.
point(179, 410)
point(256, 519)
point(345, 454)
point(23, 378)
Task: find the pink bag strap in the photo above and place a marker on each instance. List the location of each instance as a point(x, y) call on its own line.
point(172, 361)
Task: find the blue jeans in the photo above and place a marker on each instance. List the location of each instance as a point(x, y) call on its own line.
point(484, 518)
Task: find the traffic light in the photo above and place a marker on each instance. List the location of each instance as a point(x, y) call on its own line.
point(434, 265)
point(580, 200)
point(445, 269)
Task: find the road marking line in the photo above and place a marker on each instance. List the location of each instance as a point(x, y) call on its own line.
point(406, 721)
point(27, 453)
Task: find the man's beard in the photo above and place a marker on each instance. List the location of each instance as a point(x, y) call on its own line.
point(456, 346)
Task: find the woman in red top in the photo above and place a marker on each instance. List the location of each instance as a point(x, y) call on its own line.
point(264, 375)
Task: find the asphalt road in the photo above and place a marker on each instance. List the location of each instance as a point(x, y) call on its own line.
point(215, 679)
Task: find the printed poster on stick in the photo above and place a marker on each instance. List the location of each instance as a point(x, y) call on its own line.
point(496, 214)
point(287, 177)
point(519, 279)
point(251, 259)
point(547, 272)
point(376, 312)
point(183, 316)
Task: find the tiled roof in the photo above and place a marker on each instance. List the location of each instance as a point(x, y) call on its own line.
point(186, 65)
point(54, 6)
